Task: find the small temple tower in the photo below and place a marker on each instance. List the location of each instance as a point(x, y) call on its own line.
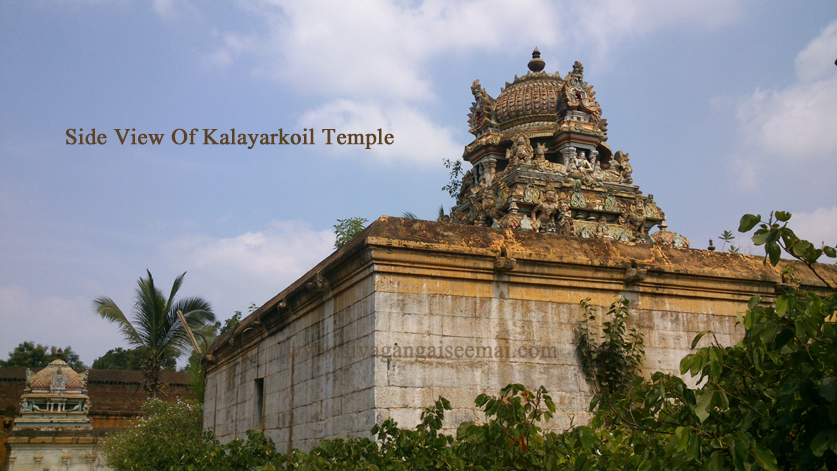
point(540, 163)
point(53, 430)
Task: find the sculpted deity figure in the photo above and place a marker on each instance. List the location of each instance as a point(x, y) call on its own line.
point(488, 211)
point(544, 215)
point(572, 164)
point(626, 167)
point(602, 229)
point(521, 151)
point(622, 219)
point(583, 164)
point(540, 153)
point(564, 218)
point(636, 217)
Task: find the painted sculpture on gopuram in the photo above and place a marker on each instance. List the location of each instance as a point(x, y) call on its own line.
point(540, 163)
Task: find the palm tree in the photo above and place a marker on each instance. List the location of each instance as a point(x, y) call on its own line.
point(155, 327)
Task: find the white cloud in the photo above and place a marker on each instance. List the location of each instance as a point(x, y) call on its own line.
point(416, 138)
point(371, 62)
point(793, 127)
point(233, 46)
point(286, 249)
point(381, 48)
point(606, 23)
point(816, 61)
point(251, 267)
point(172, 9)
point(819, 226)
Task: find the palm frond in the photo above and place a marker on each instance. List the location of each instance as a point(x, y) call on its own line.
point(175, 287)
point(198, 314)
point(409, 215)
point(109, 311)
point(150, 313)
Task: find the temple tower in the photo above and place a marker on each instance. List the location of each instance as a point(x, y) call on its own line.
point(540, 163)
point(53, 430)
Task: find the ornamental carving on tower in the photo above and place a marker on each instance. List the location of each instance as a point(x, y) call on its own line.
point(540, 163)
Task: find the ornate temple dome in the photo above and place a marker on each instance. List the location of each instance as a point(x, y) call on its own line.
point(57, 375)
point(531, 98)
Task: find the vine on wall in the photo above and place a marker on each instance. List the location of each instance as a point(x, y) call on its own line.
point(610, 365)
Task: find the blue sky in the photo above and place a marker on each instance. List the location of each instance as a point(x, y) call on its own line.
point(726, 107)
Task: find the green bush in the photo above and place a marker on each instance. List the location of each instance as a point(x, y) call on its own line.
point(168, 433)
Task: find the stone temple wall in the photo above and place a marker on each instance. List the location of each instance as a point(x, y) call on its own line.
point(306, 393)
point(338, 350)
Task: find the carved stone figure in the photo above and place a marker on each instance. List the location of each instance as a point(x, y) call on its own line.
point(520, 151)
point(512, 219)
point(543, 215)
point(564, 218)
point(540, 153)
point(466, 187)
point(572, 164)
point(603, 230)
point(610, 203)
point(636, 218)
point(626, 168)
point(482, 109)
point(488, 211)
point(583, 164)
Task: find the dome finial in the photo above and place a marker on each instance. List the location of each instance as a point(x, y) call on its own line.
point(536, 64)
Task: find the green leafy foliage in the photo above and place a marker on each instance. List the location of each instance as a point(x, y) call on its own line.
point(347, 229)
point(727, 237)
point(778, 238)
point(32, 355)
point(767, 402)
point(169, 437)
point(612, 364)
point(169, 433)
point(456, 173)
point(129, 359)
point(511, 437)
point(441, 215)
